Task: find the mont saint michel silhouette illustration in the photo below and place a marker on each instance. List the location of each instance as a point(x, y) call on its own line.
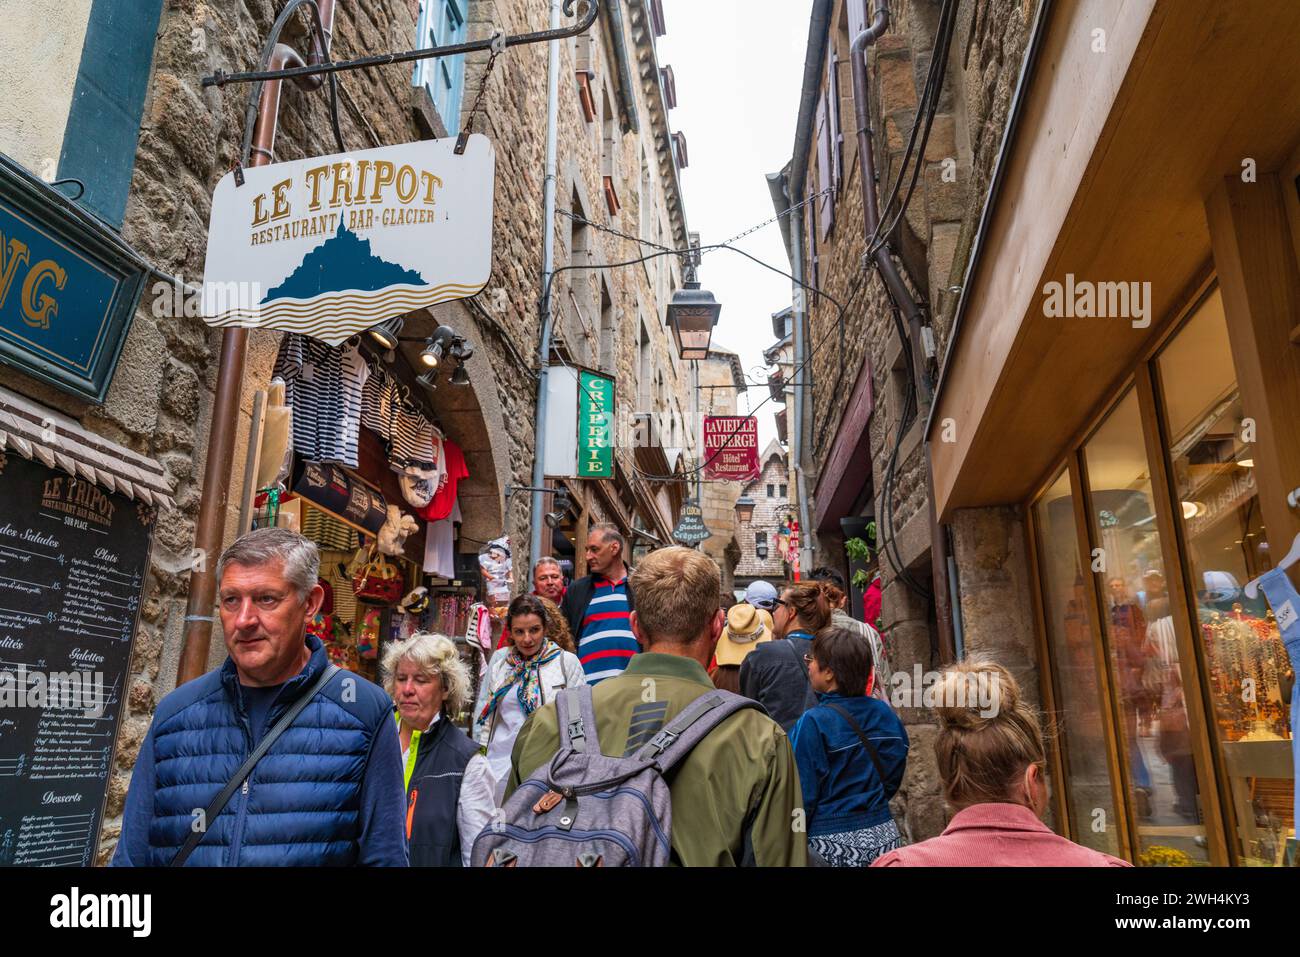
point(344, 261)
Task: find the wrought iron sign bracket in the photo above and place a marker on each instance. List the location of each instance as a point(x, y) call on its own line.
point(592, 8)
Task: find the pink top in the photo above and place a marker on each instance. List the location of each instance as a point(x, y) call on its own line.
point(997, 835)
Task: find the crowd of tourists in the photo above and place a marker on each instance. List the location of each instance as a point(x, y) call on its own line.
point(625, 719)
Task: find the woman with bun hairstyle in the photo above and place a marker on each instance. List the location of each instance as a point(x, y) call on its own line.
point(851, 751)
point(993, 767)
point(775, 674)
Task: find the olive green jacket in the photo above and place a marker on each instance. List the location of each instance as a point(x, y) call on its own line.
point(735, 797)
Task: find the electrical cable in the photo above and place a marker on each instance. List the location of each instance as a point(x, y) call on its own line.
point(925, 118)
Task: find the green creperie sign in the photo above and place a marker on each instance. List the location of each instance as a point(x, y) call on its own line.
point(595, 426)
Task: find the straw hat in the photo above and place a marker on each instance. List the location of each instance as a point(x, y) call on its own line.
point(747, 627)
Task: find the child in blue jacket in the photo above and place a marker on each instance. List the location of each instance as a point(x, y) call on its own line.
point(851, 751)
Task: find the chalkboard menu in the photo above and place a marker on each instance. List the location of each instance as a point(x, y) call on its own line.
point(72, 564)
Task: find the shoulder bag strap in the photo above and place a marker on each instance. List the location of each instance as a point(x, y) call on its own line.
point(862, 736)
point(223, 798)
point(799, 658)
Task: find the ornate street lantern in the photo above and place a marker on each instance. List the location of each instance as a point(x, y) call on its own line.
point(744, 509)
point(692, 314)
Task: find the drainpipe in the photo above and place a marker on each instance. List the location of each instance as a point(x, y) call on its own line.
point(799, 299)
point(898, 292)
point(213, 505)
point(548, 266)
point(614, 9)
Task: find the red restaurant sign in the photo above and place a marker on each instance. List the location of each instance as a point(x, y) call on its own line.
point(731, 447)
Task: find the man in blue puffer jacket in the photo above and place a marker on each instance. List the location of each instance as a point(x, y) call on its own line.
point(328, 792)
point(851, 751)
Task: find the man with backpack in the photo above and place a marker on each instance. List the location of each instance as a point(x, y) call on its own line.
point(655, 765)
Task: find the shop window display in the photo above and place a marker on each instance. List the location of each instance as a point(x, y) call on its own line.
point(1246, 665)
point(1088, 792)
point(1148, 677)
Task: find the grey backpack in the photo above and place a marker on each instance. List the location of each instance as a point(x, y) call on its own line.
point(586, 809)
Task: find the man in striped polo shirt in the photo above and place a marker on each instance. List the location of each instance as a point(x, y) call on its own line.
point(597, 607)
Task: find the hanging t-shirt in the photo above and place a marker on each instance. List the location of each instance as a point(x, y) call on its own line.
point(439, 545)
point(323, 386)
point(410, 438)
point(443, 500)
point(413, 446)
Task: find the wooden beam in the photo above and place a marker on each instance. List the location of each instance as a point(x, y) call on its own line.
point(1260, 282)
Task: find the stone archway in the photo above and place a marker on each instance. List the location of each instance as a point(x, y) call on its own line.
point(472, 417)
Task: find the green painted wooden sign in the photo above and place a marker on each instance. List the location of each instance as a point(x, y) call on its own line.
point(595, 426)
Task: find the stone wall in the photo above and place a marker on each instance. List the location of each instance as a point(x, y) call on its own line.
point(160, 400)
point(718, 396)
point(769, 511)
point(931, 246)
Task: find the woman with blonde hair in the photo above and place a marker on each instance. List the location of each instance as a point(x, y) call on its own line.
point(993, 766)
point(448, 785)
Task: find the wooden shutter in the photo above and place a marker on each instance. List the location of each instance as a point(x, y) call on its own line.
point(857, 17)
point(825, 175)
point(837, 128)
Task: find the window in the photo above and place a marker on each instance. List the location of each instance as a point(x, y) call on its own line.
point(1075, 668)
point(1216, 500)
point(610, 143)
point(608, 342)
point(1153, 732)
point(771, 493)
point(579, 311)
point(781, 491)
point(760, 538)
point(584, 57)
point(442, 22)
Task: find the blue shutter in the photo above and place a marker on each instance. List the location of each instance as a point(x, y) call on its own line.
point(441, 23)
point(107, 101)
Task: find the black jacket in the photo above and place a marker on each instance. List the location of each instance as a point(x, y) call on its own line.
point(774, 675)
point(578, 597)
point(433, 795)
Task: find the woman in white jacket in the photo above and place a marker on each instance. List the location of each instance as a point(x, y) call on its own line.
point(521, 677)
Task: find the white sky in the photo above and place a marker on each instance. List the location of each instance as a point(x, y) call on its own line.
point(738, 65)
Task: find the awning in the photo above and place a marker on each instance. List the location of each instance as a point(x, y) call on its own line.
point(38, 432)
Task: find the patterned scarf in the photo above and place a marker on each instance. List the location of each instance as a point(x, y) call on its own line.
point(526, 674)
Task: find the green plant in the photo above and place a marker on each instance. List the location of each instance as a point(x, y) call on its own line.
point(859, 551)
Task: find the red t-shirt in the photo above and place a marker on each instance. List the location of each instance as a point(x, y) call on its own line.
point(440, 505)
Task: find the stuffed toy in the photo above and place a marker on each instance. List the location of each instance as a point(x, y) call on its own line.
point(393, 534)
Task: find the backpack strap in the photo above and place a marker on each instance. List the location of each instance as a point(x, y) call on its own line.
point(866, 742)
point(577, 718)
point(675, 740)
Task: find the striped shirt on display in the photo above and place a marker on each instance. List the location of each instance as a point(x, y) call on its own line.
point(606, 642)
point(323, 385)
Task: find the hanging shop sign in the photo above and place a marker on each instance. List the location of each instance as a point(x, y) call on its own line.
point(731, 447)
point(73, 558)
point(595, 425)
point(332, 245)
point(340, 494)
point(68, 289)
point(690, 527)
